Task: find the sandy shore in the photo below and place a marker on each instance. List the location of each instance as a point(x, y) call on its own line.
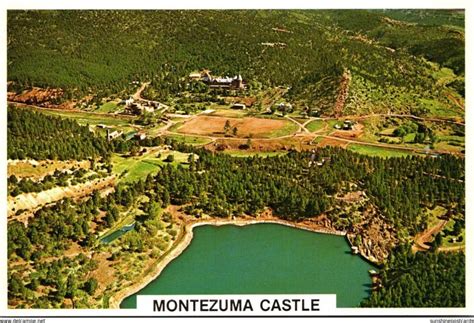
point(185, 237)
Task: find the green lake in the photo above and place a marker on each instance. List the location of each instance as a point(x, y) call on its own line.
point(263, 259)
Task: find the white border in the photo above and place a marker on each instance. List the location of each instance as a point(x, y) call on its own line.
point(244, 4)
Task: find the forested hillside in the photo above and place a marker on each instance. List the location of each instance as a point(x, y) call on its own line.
point(37, 136)
point(421, 280)
point(224, 186)
point(400, 187)
point(102, 52)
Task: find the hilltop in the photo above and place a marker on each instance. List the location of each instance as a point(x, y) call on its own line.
point(360, 61)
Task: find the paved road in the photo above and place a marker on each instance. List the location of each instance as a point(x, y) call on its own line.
point(138, 97)
point(302, 128)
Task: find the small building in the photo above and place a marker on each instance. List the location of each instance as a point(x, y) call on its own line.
point(114, 134)
point(140, 136)
point(238, 106)
point(148, 108)
point(138, 109)
point(129, 101)
point(233, 83)
point(348, 125)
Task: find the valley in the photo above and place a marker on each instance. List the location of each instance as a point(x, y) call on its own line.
point(128, 128)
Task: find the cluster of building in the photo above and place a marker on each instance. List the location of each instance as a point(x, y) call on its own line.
point(141, 106)
point(112, 133)
point(317, 161)
point(347, 125)
point(232, 83)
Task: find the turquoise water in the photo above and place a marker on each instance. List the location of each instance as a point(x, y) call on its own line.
point(263, 259)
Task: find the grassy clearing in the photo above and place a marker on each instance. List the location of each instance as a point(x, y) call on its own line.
point(176, 126)
point(130, 169)
point(240, 153)
point(288, 129)
point(387, 131)
point(155, 130)
point(224, 111)
point(134, 169)
point(444, 75)
point(409, 137)
point(450, 146)
point(332, 123)
point(446, 243)
point(87, 118)
point(378, 151)
point(190, 140)
point(434, 214)
point(453, 138)
point(107, 107)
point(44, 167)
point(315, 125)
point(317, 140)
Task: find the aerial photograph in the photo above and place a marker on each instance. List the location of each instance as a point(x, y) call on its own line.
point(235, 152)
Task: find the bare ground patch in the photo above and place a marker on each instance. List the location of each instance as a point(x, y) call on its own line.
point(422, 239)
point(332, 142)
point(350, 134)
point(261, 145)
point(37, 169)
point(31, 201)
point(214, 126)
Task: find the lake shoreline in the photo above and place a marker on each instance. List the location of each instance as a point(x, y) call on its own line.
point(186, 236)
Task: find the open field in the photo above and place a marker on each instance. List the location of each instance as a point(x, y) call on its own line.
point(243, 153)
point(451, 146)
point(107, 107)
point(190, 140)
point(224, 111)
point(257, 127)
point(130, 169)
point(315, 125)
point(38, 169)
point(322, 142)
point(88, 118)
point(377, 151)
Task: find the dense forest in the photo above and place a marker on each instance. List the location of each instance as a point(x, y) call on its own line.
point(221, 185)
point(38, 136)
point(104, 52)
point(327, 62)
point(224, 186)
point(74, 176)
point(424, 279)
point(295, 186)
